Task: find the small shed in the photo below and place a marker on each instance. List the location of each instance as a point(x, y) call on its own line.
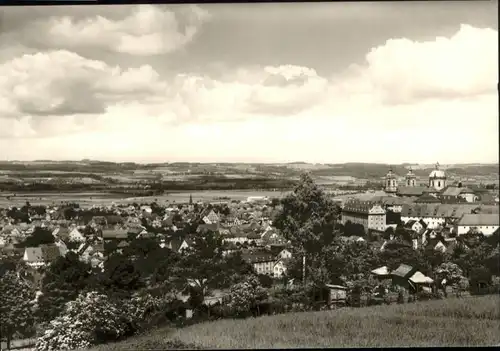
point(420, 281)
point(401, 276)
point(381, 273)
point(337, 294)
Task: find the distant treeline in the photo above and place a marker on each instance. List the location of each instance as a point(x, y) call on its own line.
point(44, 174)
point(155, 188)
point(223, 183)
point(367, 186)
point(97, 167)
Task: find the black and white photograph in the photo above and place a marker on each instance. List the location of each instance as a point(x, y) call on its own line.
point(249, 175)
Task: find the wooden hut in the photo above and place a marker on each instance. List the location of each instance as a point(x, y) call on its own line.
point(337, 295)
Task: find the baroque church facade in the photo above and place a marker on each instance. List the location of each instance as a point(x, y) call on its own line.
point(437, 190)
point(437, 182)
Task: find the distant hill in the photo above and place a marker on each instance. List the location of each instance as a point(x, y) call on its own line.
point(293, 169)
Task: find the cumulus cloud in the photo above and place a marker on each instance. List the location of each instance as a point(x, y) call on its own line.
point(273, 91)
point(403, 88)
point(64, 83)
point(287, 90)
point(144, 31)
point(465, 65)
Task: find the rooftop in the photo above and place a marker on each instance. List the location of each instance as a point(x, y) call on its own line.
point(480, 219)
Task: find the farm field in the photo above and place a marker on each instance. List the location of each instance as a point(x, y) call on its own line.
point(212, 195)
point(103, 198)
point(473, 321)
point(56, 198)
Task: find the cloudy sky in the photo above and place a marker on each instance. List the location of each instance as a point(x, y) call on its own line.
point(318, 82)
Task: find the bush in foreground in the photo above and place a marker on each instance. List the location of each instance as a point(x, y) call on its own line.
point(89, 320)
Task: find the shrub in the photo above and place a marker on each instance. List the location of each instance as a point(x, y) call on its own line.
point(401, 296)
point(425, 295)
point(246, 295)
point(144, 311)
point(90, 319)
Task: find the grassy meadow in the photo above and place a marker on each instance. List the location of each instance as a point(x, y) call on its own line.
point(471, 321)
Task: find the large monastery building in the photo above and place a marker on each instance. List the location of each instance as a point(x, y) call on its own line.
point(437, 188)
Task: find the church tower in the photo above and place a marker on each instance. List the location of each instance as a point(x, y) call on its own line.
point(437, 179)
point(411, 178)
point(391, 184)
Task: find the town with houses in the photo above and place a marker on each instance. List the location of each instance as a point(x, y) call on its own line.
point(432, 217)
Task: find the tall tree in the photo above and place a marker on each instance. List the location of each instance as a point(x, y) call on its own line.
point(39, 237)
point(62, 282)
point(307, 216)
point(16, 298)
point(398, 252)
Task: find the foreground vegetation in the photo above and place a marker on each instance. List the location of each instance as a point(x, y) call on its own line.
point(450, 322)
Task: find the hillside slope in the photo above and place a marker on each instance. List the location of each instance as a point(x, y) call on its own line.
point(471, 321)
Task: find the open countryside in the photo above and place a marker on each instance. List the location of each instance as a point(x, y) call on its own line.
point(238, 176)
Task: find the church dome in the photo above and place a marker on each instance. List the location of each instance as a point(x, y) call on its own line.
point(437, 173)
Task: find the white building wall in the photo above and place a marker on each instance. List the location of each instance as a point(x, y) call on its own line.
point(431, 222)
point(469, 197)
point(395, 208)
point(486, 230)
point(376, 222)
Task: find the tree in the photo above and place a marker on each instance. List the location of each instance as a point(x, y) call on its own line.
point(431, 258)
point(18, 215)
point(246, 295)
point(403, 234)
point(200, 268)
point(40, 236)
point(38, 210)
point(158, 266)
point(449, 274)
point(479, 276)
point(90, 319)
point(69, 213)
point(307, 216)
point(16, 298)
point(265, 280)
point(354, 229)
point(359, 259)
point(64, 279)
point(475, 257)
point(141, 247)
point(492, 262)
point(8, 263)
point(388, 233)
point(120, 277)
point(235, 269)
point(397, 252)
